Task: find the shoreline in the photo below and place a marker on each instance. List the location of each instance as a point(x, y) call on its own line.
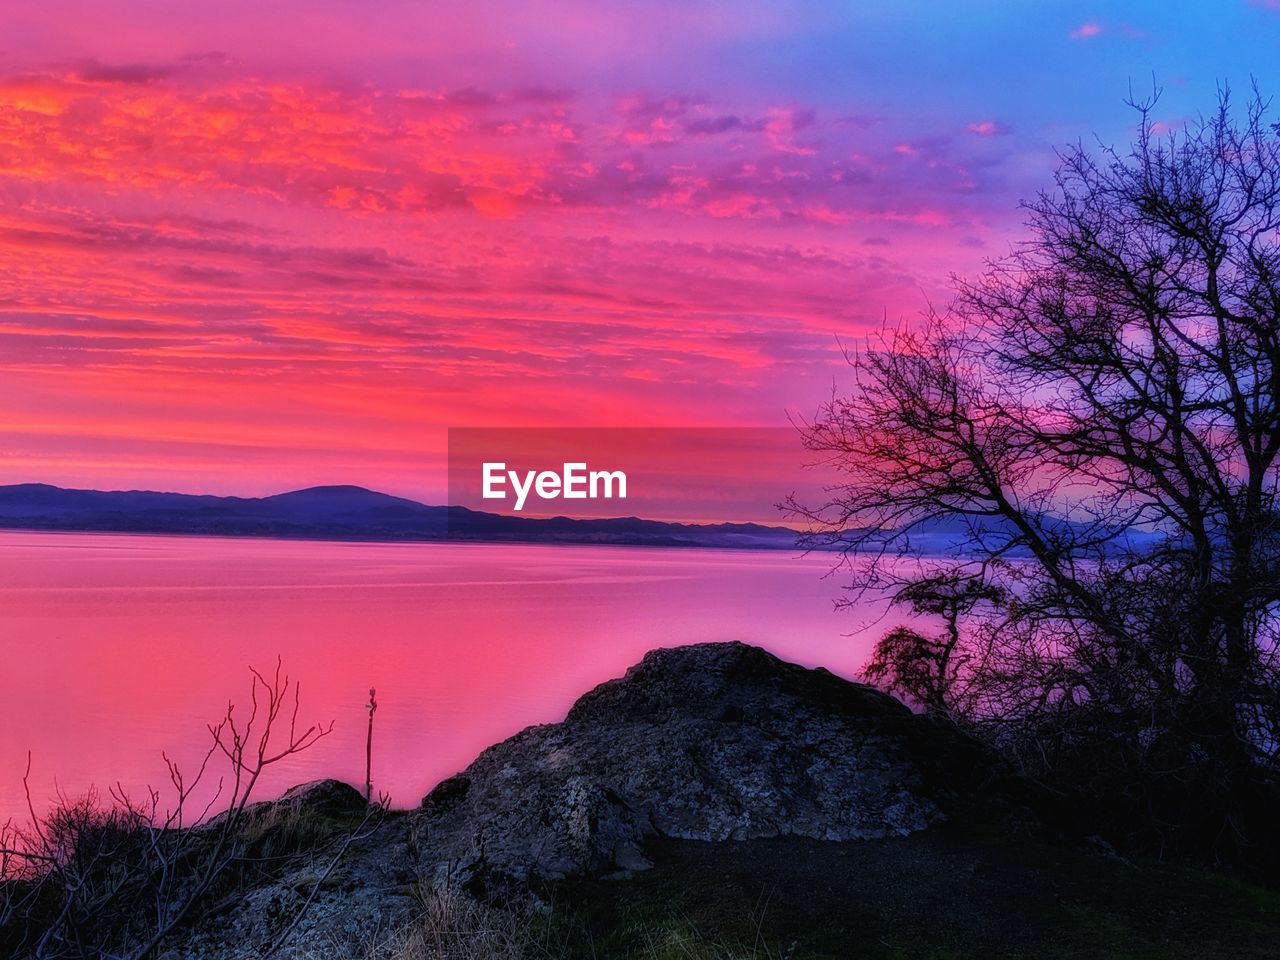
point(408, 541)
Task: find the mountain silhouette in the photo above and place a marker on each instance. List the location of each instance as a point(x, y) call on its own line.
point(345, 513)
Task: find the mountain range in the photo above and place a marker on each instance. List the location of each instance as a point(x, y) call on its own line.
point(347, 513)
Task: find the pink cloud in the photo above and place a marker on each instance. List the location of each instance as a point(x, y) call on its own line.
point(987, 128)
point(1086, 31)
point(782, 126)
point(426, 153)
point(243, 270)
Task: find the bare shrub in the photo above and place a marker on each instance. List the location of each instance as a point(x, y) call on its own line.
point(97, 876)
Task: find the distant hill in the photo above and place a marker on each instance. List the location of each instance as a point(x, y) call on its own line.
point(346, 513)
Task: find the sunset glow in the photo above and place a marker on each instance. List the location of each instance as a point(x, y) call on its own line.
point(261, 246)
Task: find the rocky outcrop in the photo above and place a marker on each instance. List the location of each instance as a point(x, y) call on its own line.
point(708, 742)
point(711, 742)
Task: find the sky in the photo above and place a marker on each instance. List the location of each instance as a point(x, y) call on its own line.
point(248, 247)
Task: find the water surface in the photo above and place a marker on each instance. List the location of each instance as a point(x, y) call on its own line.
point(120, 647)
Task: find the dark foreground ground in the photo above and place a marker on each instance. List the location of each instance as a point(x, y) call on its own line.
point(937, 895)
point(709, 741)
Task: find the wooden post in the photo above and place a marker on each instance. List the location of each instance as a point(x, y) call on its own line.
point(368, 749)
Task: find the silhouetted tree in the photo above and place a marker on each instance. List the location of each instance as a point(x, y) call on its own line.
point(1097, 418)
point(930, 670)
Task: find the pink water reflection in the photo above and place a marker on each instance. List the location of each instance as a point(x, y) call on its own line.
point(119, 647)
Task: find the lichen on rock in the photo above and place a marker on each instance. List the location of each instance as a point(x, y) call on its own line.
point(707, 742)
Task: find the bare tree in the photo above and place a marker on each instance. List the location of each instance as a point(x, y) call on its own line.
point(1096, 422)
point(932, 670)
point(94, 878)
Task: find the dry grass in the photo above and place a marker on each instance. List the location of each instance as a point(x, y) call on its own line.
point(451, 925)
point(282, 828)
point(677, 944)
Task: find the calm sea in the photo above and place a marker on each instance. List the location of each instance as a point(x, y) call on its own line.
point(117, 648)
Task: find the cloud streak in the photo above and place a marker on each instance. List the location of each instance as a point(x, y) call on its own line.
point(250, 256)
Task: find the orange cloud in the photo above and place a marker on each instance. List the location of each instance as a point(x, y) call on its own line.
point(243, 272)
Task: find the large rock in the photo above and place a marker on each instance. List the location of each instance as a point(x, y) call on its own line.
point(707, 742)
point(330, 797)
